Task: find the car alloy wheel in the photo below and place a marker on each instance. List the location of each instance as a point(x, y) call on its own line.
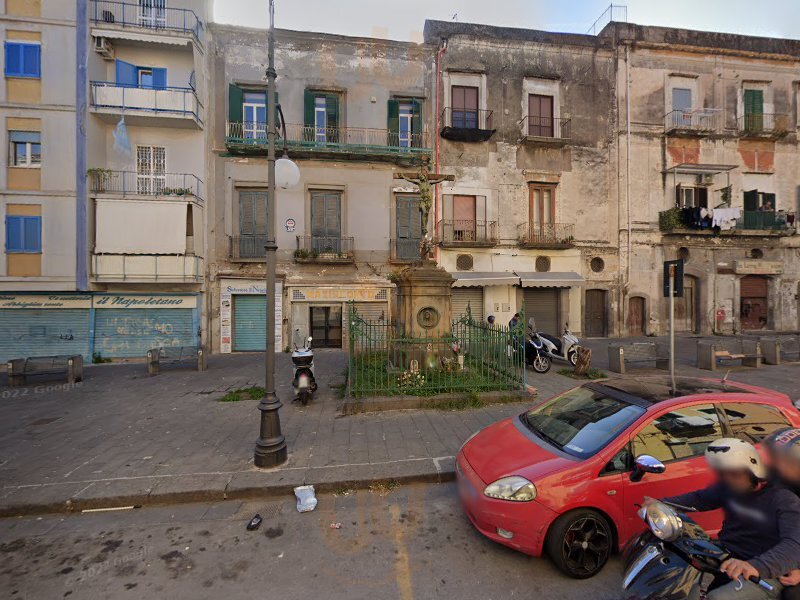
point(580, 542)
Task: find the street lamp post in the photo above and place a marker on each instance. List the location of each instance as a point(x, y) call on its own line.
point(271, 444)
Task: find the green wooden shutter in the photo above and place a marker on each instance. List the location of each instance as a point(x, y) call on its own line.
point(393, 122)
point(235, 100)
point(753, 109)
point(416, 123)
point(332, 116)
point(751, 200)
point(308, 110)
point(333, 216)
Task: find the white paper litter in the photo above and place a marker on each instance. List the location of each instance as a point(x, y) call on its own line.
point(306, 501)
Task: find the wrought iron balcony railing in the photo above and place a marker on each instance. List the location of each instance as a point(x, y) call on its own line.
point(319, 248)
point(546, 235)
point(701, 120)
point(166, 101)
point(405, 249)
point(465, 232)
point(546, 128)
point(146, 14)
point(685, 221)
point(247, 247)
point(129, 183)
point(466, 118)
point(764, 124)
point(359, 140)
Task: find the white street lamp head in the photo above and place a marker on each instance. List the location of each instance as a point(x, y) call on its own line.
point(287, 173)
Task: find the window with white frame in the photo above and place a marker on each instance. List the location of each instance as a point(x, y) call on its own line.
point(320, 118)
point(25, 148)
point(254, 111)
point(151, 168)
point(406, 114)
point(153, 13)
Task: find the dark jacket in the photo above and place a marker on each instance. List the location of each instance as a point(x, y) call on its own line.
point(762, 528)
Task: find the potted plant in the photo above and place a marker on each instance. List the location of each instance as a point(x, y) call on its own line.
point(99, 178)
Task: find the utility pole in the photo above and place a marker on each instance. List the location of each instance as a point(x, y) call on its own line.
point(672, 326)
point(271, 445)
point(81, 89)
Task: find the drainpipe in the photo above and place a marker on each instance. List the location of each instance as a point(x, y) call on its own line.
point(623, 291)
point(442, 50)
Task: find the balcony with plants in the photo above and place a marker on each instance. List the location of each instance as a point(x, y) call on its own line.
point(324, 249)
point(130, 184)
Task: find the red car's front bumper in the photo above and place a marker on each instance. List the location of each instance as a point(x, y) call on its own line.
point(527, 521)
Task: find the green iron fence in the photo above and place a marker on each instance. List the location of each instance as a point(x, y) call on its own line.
point(474, 357)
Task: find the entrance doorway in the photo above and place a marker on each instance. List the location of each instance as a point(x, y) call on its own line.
point(596, 322)
point(686, 307)
point(326, 326)
point(636, 318)
point(753, 307)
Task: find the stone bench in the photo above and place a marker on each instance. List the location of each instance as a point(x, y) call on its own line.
point(19, 369)
point(710, 354)
point(777, 349)
point(175, 354)
point(622, 355)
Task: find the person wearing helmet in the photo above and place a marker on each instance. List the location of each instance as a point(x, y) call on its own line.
point(761, 529)
point(783, 448)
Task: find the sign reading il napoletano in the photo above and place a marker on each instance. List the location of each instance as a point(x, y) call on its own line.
point(39, 301)
point(115, 301)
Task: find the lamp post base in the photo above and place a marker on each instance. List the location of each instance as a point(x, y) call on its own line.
point(271, 445)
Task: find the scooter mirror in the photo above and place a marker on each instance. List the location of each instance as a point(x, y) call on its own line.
point(645, 463)
point(309, 339)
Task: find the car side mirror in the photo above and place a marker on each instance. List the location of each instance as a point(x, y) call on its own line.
point(646, 464)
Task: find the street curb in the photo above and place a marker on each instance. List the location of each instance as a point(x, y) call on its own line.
point(353, 406)
point(431, 470)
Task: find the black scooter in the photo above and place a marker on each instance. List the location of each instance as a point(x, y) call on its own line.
point(669, 559)
point(535, 355)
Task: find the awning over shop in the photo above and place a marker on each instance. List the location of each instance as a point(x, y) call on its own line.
point(564, 279)
point(699, 169)
point(473, 279)
point(147, 38)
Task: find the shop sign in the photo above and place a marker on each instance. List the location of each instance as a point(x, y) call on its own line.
point(134, 302)
point(246, 287)
point(366, 294)
point(49, 301)
point(757, 267)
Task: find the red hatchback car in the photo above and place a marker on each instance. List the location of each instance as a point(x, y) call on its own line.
point(563, 477)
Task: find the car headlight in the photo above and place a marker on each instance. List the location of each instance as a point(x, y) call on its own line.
point(514, 488)
point(663, 521)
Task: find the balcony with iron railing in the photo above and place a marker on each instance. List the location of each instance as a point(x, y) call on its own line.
point(702, 121)
point(546, 129)
point(251, 138)
point(133, 268)
point(247, 247)
point(763, 125)
point(750, 222)
point(146, 16)
point(546, 235)
point(404, 250)
point(324, 249)
point(164, 186)
point(152, 106)
point(466, 233)
point(466, 125)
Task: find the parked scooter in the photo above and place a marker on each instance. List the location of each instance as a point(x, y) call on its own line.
point(565, 349)
point(535, 356)
point(669, 559)
point(303, 384)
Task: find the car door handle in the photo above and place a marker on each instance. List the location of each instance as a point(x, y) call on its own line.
point(612, 492)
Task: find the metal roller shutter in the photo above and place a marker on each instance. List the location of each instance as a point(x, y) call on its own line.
point(126, 332)
point(542, 305)
point(468, 296)
point(753, 286)
point(26, 333)
point(249, 323)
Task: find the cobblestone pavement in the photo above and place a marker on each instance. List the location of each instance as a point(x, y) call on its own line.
point(122, 435)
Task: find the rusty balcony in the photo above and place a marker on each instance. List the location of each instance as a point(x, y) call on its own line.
point(324, 249)
point(546, 129)
point(763, 125)
point(405, 250)
point(247, 247)
point(466, 124)
point(678, 221)
point(546, 235)
point(702, 121)
point(466, 233)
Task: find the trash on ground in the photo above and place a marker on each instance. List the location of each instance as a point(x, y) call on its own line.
point(306, 501)
point(254, 523)
point(335, 525)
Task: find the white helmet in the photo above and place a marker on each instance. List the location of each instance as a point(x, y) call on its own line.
point(732, 454)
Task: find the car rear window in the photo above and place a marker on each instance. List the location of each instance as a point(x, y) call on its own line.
point(582, 421)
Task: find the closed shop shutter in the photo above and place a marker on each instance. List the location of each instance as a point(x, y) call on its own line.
point(468, 296)
point(26, 333)
point(542, 305)
point(127, 332)
point(753, 286)
point(249, 323)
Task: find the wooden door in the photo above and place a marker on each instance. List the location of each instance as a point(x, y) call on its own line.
point(686, 307)
point(464, 218)
point(636, 318)
point(753, 291)
point(540, 115)
point(465, 107)
point(596, 324)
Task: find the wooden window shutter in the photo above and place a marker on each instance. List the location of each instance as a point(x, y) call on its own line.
point(308, 108)
point(403, 217)
point(447, 207)
point(678, 198)
point(247, 214)
point(480, 208)
point(751, 200)
point(393, 115)
point(333, 215)
point(235, 100)
point(415, 219)
point(416, 121)
point(317, 214)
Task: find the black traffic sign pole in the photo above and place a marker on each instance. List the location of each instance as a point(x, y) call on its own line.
point(673, 286)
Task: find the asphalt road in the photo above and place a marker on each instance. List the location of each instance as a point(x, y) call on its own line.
point(410, 543)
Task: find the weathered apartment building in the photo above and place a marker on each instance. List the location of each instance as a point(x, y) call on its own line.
point(356, 113)
point(142, 237)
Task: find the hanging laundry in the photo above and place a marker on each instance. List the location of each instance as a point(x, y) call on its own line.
point(122, 143)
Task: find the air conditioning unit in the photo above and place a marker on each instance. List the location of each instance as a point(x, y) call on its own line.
point(104, 48)
point(706, 179)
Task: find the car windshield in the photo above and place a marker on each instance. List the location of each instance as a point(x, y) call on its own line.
point(581, 421)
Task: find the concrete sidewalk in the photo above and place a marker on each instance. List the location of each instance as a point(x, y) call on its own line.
point(123, 438)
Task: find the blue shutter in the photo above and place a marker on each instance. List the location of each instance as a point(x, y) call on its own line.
point(31, 60)
point(15, 236)
point(126, 73)
point(33, 234)
point(13, 59)
point(159, 78)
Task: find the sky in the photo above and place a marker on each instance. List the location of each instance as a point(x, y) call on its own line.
point(404, 20)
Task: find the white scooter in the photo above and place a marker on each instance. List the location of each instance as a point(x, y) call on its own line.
point(303, 384)
point(565, 349)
